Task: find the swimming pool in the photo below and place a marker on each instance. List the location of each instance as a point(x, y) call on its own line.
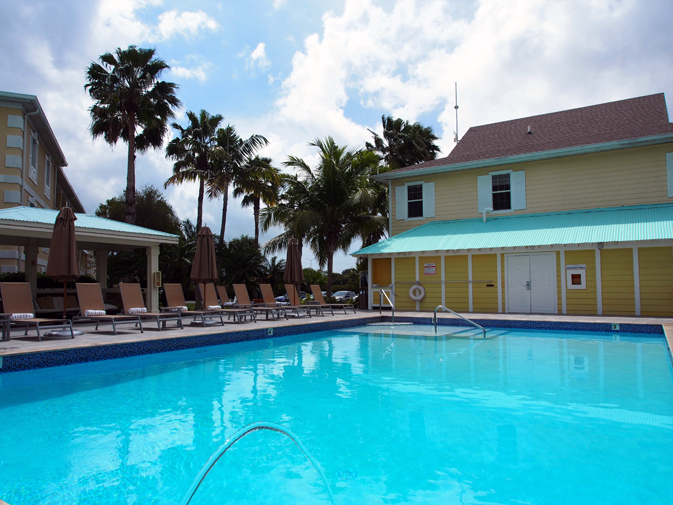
point(402, 417)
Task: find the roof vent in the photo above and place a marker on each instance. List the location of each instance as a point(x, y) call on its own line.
point(529, 130)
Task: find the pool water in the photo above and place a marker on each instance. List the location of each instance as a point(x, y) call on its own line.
point(391, 416)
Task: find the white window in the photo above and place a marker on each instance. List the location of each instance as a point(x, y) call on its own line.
point(47, 176)
point(502, 191)
point(34, 150)
point(415, 200)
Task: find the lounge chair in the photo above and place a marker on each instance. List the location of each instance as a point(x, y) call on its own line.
point(270, 301)
point(317, 296)
point(92, 308)
point(212, 303)
point(315, 305)
point(17, 300)
point(224, 297)
point(134, 305)
point(175, 299)
point(243, 302)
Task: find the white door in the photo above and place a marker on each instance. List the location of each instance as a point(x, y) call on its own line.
point(543, 283)
point(518, 284)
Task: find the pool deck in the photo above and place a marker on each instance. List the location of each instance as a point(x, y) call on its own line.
point(20, 344)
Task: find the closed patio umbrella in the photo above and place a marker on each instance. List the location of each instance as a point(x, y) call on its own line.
point(293, 272)
point(62, 262)
point(204, 268)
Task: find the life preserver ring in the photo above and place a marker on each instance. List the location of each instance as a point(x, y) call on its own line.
point(416, 292)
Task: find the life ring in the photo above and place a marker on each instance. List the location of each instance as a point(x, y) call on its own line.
point(416, 292)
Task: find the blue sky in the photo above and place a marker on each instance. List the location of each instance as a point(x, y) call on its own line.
point(295, 70)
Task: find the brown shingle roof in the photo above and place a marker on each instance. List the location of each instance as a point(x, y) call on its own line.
point(625, 119)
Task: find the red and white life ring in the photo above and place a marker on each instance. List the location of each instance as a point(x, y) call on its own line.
point(416, 292)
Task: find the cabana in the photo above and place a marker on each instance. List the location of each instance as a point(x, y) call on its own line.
point(32, 228)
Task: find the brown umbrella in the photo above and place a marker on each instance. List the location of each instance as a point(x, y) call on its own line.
point(62, 263)
point(204, 268)
point(293, 272)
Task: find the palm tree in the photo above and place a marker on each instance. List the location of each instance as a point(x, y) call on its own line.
point(131, 104)
point(193, 153)
point(258, 182)
point(404, 144)
point(334, 210)
point(230, 156)
point(242, 263)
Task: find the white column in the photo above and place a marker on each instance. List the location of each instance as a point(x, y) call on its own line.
point(418, 278)
point(443, 263)
point(469, 279)
point(31, 267)
point(370, 290)
point(392, 280)
point(563, 282)
point(498, 284)
point(599, 283)
point(636, 279)
point(152, 266)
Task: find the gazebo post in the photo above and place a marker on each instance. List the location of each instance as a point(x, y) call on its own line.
point(152, 266)
point(31, 267)
point(100, 256)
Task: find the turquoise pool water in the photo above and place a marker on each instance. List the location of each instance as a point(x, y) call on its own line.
point(521, 417)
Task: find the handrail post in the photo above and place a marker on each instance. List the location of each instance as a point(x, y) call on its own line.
point(456, 314)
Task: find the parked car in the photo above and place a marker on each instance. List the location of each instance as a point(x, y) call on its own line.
point(285, 298)
point(342, 296)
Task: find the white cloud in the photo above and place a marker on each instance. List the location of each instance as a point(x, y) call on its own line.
point(277, 4)
point(258, 57)
point(198, 72)
point(187, 24)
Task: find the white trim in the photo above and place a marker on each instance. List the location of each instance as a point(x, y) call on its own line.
point(392, 280)
point(599, 284)
point(33, 169)
point(13, 161)
point(15, 141)
point(370, 290)
point(499, 283)
point(469, 280)
point(418, 279)
point(390, 208)
point(48, 167)
point(443, 263)
point(14, 121)
point(564, 309)
point(636, 279)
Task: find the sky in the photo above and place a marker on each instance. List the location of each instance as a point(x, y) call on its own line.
point(295, 71)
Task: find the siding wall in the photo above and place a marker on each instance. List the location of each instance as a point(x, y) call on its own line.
point(484, 268)
point(583, 301)
point(405, 276)
point(616, 178)
point(431, 283)
point(381, 271)
point(617, 282)
point(559, 288)
point(457, 293)
point(656, 281)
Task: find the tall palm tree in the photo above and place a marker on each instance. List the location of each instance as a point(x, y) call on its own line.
point(193, 153)
point(258, 182)
point(231, 154)
point(335, 209)
point(404, 144)
point(131, 104)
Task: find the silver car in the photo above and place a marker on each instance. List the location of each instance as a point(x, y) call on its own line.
point(342, 296)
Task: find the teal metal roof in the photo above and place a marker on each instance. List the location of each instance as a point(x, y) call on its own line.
point(617, 224)
point(84, 221)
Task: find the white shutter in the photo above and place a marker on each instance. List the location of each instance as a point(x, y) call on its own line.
point(400, 202)
point(669, 173)
point(518, 185)
point(428, 199)
point(485, 192)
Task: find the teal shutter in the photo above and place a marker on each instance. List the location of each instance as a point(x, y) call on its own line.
point(485, 192)
point(400, 202)
point(428, 199)
point(518, 185)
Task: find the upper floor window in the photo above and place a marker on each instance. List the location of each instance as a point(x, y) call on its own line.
point(415, 200)
point(502, 191)
point(34, 150)
point(47, 176)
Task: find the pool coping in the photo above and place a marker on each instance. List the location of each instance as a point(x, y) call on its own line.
point(85, 353)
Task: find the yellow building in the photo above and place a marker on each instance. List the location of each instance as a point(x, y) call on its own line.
point(569, 213)
point(31, 171)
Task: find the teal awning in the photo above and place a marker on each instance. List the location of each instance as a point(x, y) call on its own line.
point(617, 224)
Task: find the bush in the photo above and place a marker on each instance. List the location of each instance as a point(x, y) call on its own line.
point(13, 277)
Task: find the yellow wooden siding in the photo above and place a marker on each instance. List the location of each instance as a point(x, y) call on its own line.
point(583, 301)
point(457, 293)
point(617, 282)
point(656, 281)
point(624, 177)
point(405, 276)
point(484, 268)
point(381, 271)
point(559, 289)
point(431, 283)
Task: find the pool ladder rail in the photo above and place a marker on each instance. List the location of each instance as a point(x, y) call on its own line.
point(434, 319)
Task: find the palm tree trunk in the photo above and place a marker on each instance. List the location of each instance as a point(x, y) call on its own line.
point(256, 214)
point(199, 211)
point(330, 265)
point(225, 202)
point(130, 216)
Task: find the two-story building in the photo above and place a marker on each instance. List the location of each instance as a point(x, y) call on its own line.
point(31, 171)
point(563, 213)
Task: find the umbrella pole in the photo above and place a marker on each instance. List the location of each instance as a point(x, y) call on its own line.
point(64, 305)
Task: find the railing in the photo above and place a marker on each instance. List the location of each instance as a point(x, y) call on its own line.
point(456, 314)
point(383, 294)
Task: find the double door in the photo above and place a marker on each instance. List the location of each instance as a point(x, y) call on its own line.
point(531, 283)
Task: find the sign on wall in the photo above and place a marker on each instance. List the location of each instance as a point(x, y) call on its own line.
point(576, 276)
point(429, 268)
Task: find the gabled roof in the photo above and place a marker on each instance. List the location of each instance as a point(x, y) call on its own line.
point(561, 133)
point(617, 224)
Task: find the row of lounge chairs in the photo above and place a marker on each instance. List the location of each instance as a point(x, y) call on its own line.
point(18, 306)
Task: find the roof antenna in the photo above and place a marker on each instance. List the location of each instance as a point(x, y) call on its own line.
point(455, 134)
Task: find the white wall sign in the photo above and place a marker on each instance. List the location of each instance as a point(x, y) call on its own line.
point(429, 269)
point(576, 277)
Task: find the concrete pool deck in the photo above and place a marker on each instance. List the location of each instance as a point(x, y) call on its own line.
point(21, 344)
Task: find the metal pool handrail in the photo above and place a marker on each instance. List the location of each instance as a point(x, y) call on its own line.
point(456, 314)
point(383, 294)
point(235, 438)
